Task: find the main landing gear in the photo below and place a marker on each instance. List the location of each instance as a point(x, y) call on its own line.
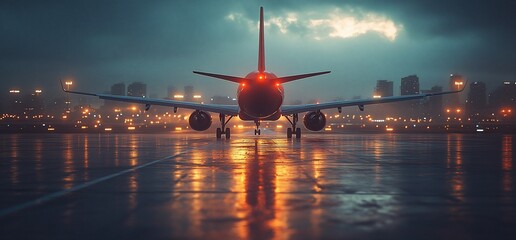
point(223, 122)
point(257, 130)
point(294, 130)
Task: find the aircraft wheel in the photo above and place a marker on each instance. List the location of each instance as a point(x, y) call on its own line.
point(219, 133)
point(259, 132)
point(228, 133)
point(289, 133)
point(298, 133)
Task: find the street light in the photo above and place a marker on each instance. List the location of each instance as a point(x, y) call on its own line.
point(68, 101)
point(68, 84)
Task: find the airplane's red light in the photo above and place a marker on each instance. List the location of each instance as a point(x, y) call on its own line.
point(277, 84)
point(243, 84)
point(261, 77)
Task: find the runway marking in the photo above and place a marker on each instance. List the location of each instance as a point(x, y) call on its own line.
point(52, 196)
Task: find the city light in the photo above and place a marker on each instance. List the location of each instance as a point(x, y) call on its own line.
point(197, 96)
point(14, 91)
point(377, 96)
point(68, 83)
point(38, 91)
point(179, 96)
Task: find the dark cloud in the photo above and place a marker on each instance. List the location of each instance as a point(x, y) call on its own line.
point(160, 42)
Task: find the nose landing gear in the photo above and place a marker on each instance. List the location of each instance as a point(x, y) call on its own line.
point(257, 130)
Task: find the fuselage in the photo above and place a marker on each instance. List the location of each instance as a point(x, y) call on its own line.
point(260, 97)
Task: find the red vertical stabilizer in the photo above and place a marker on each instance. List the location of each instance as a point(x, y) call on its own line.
point(261, 50)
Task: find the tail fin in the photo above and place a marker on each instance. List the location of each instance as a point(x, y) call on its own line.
point(261, 50)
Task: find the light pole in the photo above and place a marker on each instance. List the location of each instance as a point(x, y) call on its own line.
point(68, 103)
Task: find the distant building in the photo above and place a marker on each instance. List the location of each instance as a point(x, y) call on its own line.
point(33, 103)
point(433, 106)
point(189, 94)
point(453, 101)
point(171, 91)
point(15, 102)
point(476, 102)
point(58, 106)
point(384, 88)
point(503, 96)
point(118, 89)
point(409, 85)
point(137, 89)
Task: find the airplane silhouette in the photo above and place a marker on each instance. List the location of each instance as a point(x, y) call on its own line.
point(260, 97)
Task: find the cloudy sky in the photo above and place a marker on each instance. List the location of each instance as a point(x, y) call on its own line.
point(99, 43)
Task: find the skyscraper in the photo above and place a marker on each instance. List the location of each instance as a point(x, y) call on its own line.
point(477, 99)
point(33, 103)
point(118, 89)
point(189, 94)
point(171, 91)
point(503, 96)
point(384, 88)
point(15, 104)
point(137, 89)
point(433, 107)
point(453, 100)
point(409, 85)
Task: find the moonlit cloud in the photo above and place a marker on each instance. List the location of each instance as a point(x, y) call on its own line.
point(336, 23)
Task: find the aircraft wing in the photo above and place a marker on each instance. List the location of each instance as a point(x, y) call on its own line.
point(231, 110)
point(292, 109)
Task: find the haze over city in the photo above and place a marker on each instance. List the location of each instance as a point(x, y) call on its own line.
point(97, 44)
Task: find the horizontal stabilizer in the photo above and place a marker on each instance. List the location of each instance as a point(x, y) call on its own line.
point(296, 77)
point(225, 77)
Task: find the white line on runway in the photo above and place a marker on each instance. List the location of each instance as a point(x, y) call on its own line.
point(52, 196)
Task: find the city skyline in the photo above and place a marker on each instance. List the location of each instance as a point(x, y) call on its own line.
point(161, 43)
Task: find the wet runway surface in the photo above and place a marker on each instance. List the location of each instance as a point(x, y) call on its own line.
point(332, 186)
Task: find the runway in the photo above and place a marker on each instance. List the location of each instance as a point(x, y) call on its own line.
point(193, 186)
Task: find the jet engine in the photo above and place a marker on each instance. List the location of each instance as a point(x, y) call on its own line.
point(314, 121)
point(199, 120)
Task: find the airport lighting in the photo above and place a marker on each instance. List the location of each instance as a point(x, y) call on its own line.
point(14, 91)
point(68, 84)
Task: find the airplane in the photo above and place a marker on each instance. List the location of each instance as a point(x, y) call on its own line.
point(260, 98)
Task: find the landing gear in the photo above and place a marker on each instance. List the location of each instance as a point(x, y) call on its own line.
point(219, 133)
point(257, 130)
point(223, 122)
point(293, 130)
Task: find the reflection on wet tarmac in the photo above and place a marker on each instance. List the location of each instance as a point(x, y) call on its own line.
point(507, 160)
point(322, 186)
